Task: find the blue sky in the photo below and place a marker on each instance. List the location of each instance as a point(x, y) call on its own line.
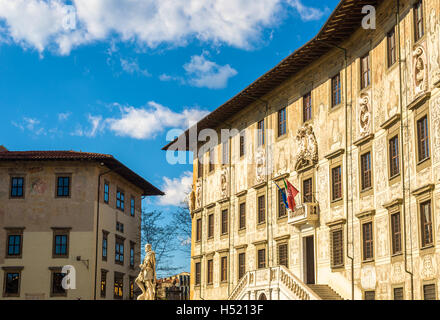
point(113, 76)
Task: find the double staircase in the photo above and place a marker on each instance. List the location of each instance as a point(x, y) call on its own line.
point(281, 284)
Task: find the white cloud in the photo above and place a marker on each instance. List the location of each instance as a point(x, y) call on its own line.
point(307, 13)
point(131, 66)
point(30, 124)
point(41, 24)
point(95, 125)
point(176, 189)
point(146, 122)
point(206, 73)
point(64, 116)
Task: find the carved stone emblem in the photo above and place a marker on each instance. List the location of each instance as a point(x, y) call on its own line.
point(224, 182)
point(199, 193)
point(307, 147)
point(428, 269)
point(365, 115)
point(420, 71)
point(368, 277)
point(260, 161)
point(192, 200)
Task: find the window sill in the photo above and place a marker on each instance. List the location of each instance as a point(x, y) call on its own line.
point(14, 257)
point(338, 268)
point(369, 261)
point(282, 137)
point(60, 257)
point(282, 218)
point(367, 88)
point(430, 249)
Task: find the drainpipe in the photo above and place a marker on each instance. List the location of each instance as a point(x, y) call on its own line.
point(230, 230)
point(97, 229)
point(401, 149)
point(351, 257)
point(266, 142)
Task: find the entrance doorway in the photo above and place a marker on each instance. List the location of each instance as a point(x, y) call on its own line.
point(309, 260)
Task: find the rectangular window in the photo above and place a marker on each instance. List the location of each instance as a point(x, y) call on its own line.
point(103, 283)
point(199, 229)
point(307, 107)
point(17, 187)
point(394, 156)
point(261, 258)
point(241, 265)
point(367, 236)
point(225, 152)
point(283, 258)
point(198, 273)
point(396, 233)
point(419, 28)
point(366, 171)
point(261, 209)
point(282, 122)
point(14, 245)
point(11, 284)
point(307, 191)
point(131, 254)
point(120, 200)
point(336, 184)
point(211, 226)
point(104, 245)
point(119, 286)
point(423, 138)
point(370, 295)
point(242, 143)
point(119, 227)
point(429, 292)
point(242, 222)
point(426, 223)
point(365, 71)
point(224, 222)
point(60, 243)
point(57, 286)
point(63, 186)
point(132, 207)
point(398, 293)
point(337, 248)
point(261, 133)
point(210, 271)
point(391, 45)
point(119, 251)
point(282, 212)
point(131, 288)
point(211, 160)
point(224, 269)
point(336, 90)
point(106, 192)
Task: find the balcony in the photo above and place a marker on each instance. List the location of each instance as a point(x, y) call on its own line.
point(306, 213)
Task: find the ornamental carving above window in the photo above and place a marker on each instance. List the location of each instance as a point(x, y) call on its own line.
point(307, 154)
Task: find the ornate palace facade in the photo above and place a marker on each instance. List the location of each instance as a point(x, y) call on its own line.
point(352, 120)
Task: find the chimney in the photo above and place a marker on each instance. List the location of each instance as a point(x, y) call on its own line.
point(3, 149)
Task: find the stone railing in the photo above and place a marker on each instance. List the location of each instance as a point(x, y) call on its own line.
point(240, 286)
point(295, 285)
point(274, 277)
point(306, 213)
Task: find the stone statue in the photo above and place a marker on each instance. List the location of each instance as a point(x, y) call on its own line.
point(365, 116)
point(420, 77)
point(307, 152)
point(146, 279)
point(224, 182)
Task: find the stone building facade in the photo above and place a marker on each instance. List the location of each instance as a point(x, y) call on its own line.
point(352, 120)
point(69, 213)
